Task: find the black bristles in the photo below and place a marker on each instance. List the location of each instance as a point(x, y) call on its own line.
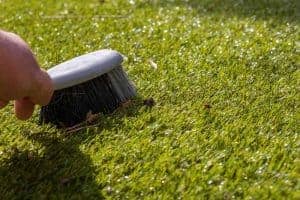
point(103, 94)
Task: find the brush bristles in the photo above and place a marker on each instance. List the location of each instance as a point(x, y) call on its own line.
point(103, 94)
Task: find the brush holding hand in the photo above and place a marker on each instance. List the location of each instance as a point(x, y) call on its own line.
point(88, 84)
point(21, 78)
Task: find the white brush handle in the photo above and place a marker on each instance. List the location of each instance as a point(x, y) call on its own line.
point(83, 68)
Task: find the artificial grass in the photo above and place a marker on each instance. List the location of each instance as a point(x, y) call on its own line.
point(226, 90)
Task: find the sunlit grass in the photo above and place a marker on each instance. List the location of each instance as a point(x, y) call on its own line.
point(225, 80)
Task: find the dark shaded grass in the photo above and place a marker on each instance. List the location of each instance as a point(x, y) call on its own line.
point(58, 170)
point(279, 10)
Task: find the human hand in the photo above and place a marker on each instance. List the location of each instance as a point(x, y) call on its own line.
point(21, 78)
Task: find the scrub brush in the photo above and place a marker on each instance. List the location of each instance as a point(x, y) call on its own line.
point(89, 84)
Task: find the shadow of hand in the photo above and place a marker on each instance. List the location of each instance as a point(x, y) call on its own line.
point(60, 171)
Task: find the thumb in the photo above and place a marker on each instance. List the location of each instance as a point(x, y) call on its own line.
point(43, 90)
point(23, 108)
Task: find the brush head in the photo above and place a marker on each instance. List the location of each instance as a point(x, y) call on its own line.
point(92, 83)
point(84, 68)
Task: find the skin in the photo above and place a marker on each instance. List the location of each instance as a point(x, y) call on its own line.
point(21, 78)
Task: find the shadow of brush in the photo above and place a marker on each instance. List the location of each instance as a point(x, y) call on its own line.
point(128, 109)
point(57, 170)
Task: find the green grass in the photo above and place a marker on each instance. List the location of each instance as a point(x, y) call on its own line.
point(227, 102)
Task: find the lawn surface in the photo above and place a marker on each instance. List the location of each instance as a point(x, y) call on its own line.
point(225, 79)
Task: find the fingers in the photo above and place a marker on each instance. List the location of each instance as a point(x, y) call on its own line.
point(41, 94)
point(24, 108)
point(3, 104)
point(44, 90)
